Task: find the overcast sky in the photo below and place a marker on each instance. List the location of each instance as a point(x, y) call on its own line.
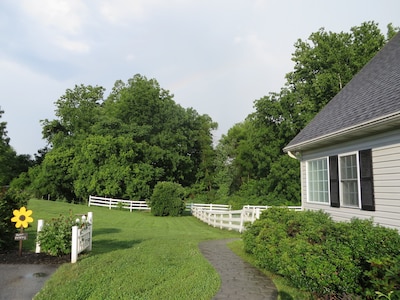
point(216, 56)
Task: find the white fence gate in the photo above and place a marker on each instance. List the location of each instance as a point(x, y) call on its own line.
point(82, 236)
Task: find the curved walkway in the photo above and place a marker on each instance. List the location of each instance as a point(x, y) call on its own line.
point(239, 279)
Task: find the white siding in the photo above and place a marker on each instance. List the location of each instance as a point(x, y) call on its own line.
point(386, 171)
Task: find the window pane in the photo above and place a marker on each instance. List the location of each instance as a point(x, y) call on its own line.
point(349, 180)
point(317, 181)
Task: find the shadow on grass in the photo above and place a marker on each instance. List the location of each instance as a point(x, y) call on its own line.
point(284, 296)
point(105, 231)
point(108, 245)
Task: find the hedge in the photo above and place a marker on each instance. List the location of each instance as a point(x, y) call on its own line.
point(324, 257)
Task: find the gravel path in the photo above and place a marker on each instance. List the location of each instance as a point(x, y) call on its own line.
point(239, 279)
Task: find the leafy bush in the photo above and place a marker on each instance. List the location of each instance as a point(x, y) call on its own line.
point(322, 256)
point(167, 199)
point(384, 273)
point(55, 236)
point(8, 202)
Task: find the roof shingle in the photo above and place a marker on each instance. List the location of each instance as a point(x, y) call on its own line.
point(373, 93)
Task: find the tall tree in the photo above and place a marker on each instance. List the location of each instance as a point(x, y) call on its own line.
point(11, 164)
point(77, 110)
point(324, 63)
point(124, 145)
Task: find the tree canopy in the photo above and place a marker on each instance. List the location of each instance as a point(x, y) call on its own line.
point(124, 144)
point(323, 65)
point(11, 164)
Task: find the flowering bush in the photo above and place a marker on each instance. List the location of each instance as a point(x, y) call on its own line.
point(55, 236)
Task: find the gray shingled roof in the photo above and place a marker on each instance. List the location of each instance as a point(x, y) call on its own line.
point(372, 94)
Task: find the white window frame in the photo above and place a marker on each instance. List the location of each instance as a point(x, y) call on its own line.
point(327, 180)
point(341, 190)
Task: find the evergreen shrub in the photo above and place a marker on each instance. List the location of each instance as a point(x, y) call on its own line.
point(8, 203)
point(167, 199)
point(325, 257)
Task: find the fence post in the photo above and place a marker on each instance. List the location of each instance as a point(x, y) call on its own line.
point(39, 228)
point(241, 220)
point(74, 244)
point(90, 198)
point(90, 220)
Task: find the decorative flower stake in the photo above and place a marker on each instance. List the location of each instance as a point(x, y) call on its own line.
point(21, 218)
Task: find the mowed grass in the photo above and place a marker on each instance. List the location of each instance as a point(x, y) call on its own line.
point(135, 256)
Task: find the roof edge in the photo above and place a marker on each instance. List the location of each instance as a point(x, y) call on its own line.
point(359, 128)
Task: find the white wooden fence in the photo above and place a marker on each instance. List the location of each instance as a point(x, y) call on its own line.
point(142, 205)
point(217, 215)
point(81, 236)
point(231, 219)
point(116, 203)
point(209, 206)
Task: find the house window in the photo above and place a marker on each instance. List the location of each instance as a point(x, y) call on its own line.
point(349, 180)
point(317, 181)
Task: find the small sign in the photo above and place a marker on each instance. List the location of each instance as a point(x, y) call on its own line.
point(21, 237)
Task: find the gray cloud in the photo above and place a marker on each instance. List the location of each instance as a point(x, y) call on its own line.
point(215, 56)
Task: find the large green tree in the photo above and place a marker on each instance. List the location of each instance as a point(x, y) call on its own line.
point(323, 64)
point(123, 145)
point(11, 164)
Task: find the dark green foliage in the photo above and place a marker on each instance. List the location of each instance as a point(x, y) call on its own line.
point(325, 257)
point(167, 199)
point(9, 201)
point(384, 273)
point(11, 163)
point(55, 237)
point(123, 145)
point(120, 146)
point(323, 64)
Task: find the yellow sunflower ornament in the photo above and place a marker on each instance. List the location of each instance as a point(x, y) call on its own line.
point(22, 217)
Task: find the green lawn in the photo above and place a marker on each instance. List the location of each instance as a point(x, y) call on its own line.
point(139, 256)
point(135, 256)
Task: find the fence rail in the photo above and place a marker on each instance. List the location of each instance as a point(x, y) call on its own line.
point(209, 206)
point(118, 203)
point(142, 205)
point(217, 215)
point(232, 219)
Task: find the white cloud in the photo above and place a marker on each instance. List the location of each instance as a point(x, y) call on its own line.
point(118, 11)
point(78, 47)
point(66, 16)
point(28, 98)
point(215, 56)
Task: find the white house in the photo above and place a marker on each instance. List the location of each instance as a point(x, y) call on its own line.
point(350, 152)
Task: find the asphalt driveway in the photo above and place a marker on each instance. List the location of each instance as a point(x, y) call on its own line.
point(23, 281)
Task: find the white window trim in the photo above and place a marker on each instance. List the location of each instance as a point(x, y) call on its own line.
point(358, 180)
point(329, 183)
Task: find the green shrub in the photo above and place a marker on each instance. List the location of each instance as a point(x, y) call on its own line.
point(167, 199)
point(384, 275)
point(55, 236)
point(325, 257)
point(8, 202)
